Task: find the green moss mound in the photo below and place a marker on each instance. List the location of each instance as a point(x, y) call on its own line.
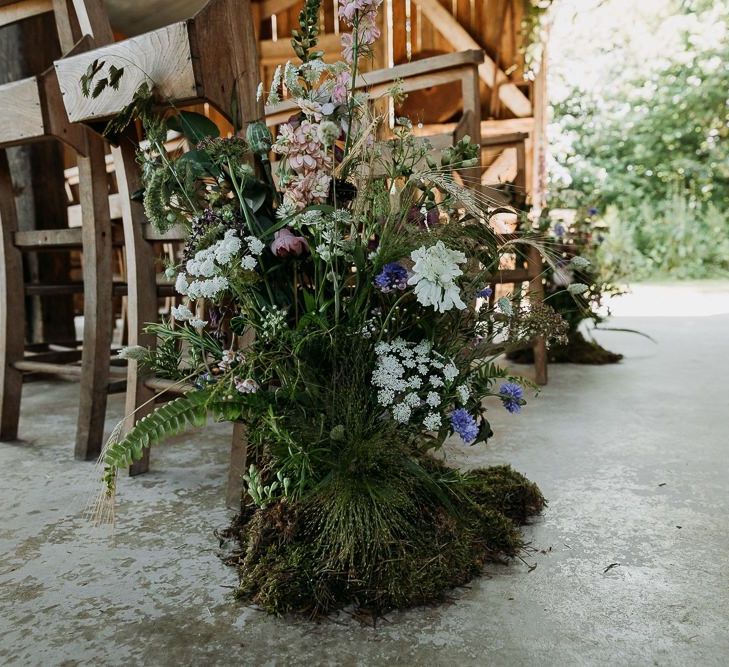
point(577, 350)
point(378, 543)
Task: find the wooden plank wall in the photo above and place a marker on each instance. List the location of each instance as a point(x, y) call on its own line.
point(494, 24)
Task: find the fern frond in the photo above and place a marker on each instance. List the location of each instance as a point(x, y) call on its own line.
point(170, 419)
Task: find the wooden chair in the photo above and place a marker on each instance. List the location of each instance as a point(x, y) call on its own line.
point(32, 110)
point(212, 58)
point(509, 168)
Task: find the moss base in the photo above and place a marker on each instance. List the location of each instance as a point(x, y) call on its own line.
point(578, 350)
point(390, 545)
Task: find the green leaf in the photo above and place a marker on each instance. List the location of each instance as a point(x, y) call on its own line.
point(99, 87)
point(194, 126)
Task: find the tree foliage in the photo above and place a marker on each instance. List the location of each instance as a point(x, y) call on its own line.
point(653, 147)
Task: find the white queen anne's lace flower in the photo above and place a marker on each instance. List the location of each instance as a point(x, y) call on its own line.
point(464, 393)
point(181, 313)
point(434, 274)
point(255, 245)
point(407, 378)
point(249, 263)
point(432, 422)
point(181, 284)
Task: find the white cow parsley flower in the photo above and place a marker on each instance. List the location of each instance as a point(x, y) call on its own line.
point(433, 399)
point(197, 323)
point(432, 422)
point(464, 393)
point(207, 289)
point(450, 372)
point(255, 245)
point(249, 263)
point(181, 284)
point(181, 313)
point(401, 413)
point(225, 249)
point(434, 274)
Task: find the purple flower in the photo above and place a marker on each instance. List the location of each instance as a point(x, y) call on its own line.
point(394, 276)
point(464, 424)
point(512, 396)
point(559, 229)
point(592, 211)
point(485, 293)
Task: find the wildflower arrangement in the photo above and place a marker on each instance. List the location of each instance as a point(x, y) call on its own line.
point(332, 292)
point(575, 286)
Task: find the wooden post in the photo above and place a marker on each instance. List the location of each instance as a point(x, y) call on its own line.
point(12, 309)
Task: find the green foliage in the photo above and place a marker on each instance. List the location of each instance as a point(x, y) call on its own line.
point(170, 419)
point(654, 149)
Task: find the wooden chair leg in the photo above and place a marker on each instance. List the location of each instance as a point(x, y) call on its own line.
point(536, 296)
point(141, 291)
point(98, 325)
point(238, 457)
point(12, 309)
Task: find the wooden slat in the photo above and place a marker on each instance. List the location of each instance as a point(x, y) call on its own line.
point(48, 238)
point(21, 116)
point(71, 287)
point(14, 11)
point(459, 38)
point(68, 370)
point(161, 57)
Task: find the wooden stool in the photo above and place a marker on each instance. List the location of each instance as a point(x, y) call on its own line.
point(209, 58)
point(31, 110)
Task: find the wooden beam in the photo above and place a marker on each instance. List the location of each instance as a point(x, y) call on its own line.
point(459, 37)
point(12, 12)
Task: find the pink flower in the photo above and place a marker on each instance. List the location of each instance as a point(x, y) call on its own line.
point(286, 243)
point(341, 87)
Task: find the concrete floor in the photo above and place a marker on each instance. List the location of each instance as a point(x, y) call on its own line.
point(632, 458)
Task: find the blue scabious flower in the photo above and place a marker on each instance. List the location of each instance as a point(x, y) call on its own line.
point(512, 396)
point(393, 277)
point(559, 230)
point(485, 293)
point(592, 211)
point(464, 424)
